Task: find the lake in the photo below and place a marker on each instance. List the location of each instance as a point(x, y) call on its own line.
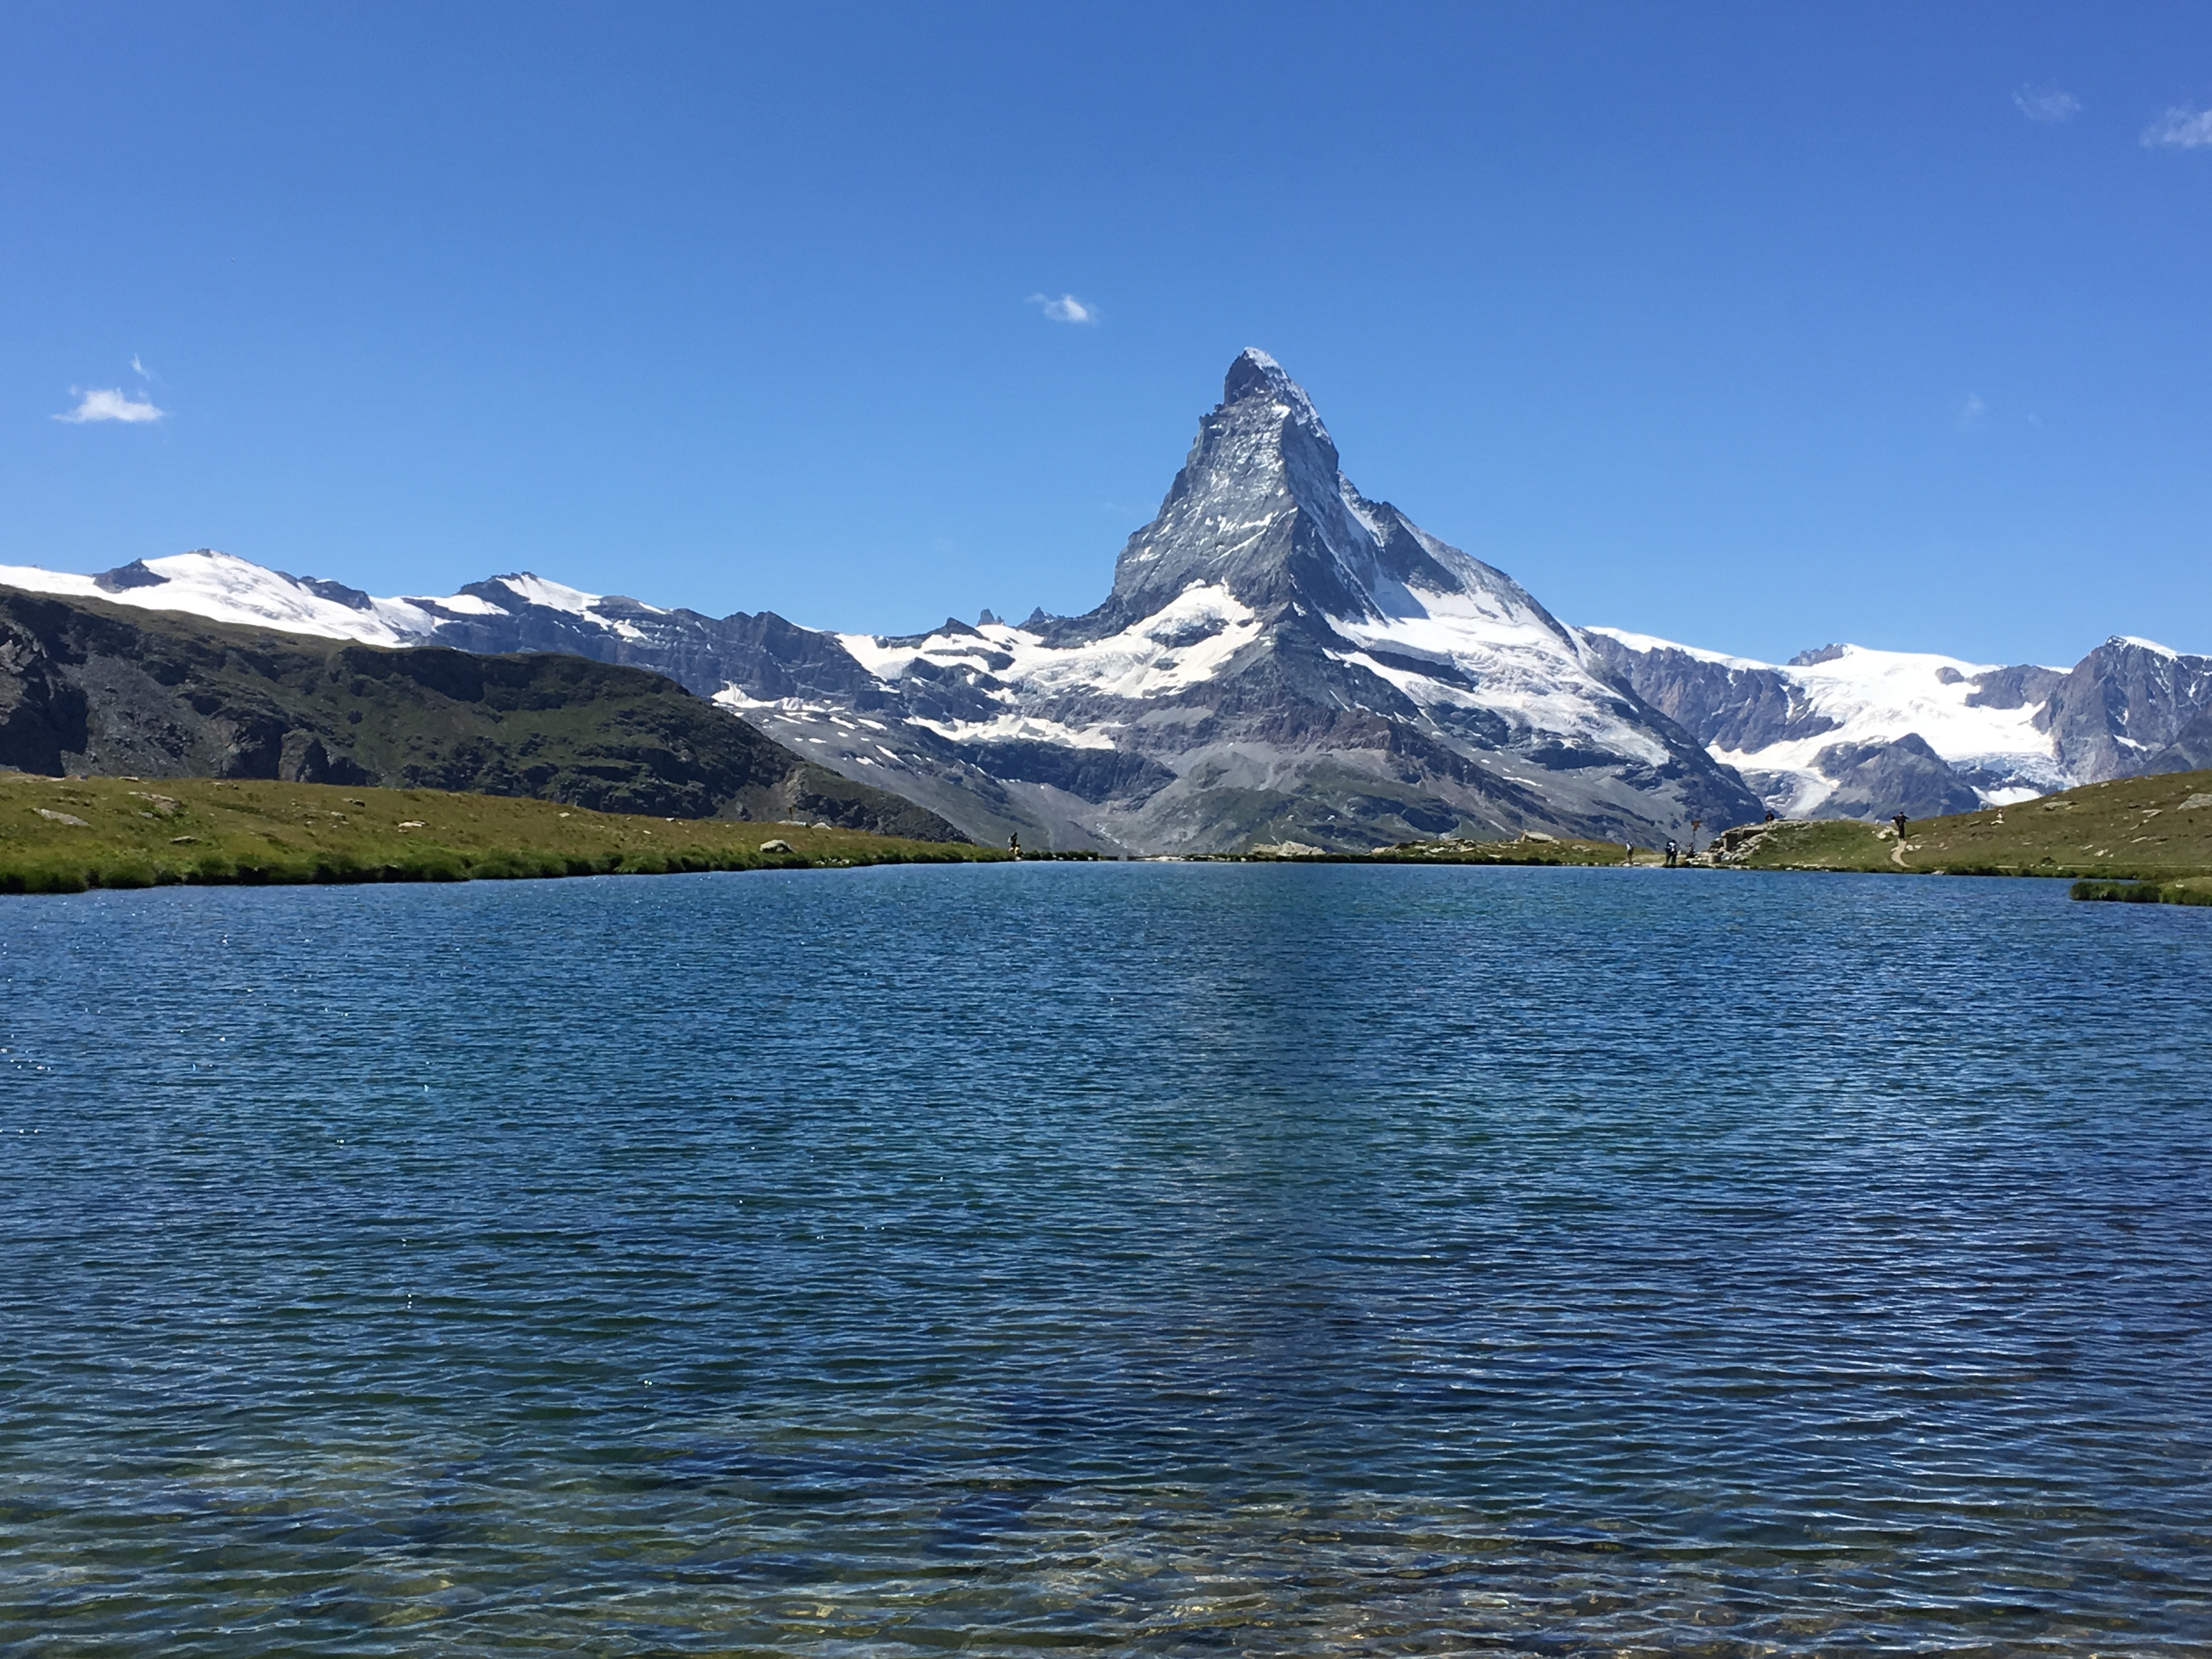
point(1131, 1258)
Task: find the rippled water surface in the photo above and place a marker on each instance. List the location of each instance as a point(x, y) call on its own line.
point(1169, 1259)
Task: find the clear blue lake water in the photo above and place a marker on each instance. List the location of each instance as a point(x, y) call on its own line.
point(1120, 1258)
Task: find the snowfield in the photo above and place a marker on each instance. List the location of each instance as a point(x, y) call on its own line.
point(1879, 696)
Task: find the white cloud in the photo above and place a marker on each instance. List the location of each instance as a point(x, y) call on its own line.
point(138, 368)
point(2179, 129)
point(110, 405)
point(1067, 308)
point(1971, 412)
point(2047, 104)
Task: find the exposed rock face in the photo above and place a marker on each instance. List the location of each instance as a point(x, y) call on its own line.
point(2191, 750)
point(87, 688)
point(2026, 686)
point(2122, 706)
point(1879, 780)
point(1729, 703)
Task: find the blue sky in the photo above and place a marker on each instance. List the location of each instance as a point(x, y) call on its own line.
point(1756, 326)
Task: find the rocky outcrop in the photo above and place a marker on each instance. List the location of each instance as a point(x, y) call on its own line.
point(2122, 706)
point(2191, 750)
point(1880, 780)
point(1728, 704)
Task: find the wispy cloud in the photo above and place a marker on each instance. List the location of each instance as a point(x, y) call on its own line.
point(2047, 104)
point(110, 404)
point(139, 368)
point(2179, 129)
point(1971, 412)
point(1067, 308)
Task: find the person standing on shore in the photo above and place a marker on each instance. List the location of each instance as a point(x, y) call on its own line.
point(1901, 821)
point(1670, 855)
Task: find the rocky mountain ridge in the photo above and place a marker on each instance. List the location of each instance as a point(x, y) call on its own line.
point(1281, 658)
point(1845, 732)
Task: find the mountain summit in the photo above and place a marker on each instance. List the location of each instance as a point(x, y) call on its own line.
point(1262, 507)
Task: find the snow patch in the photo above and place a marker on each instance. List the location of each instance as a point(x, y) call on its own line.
point(224, 588)
point(1877, 698)
point(461, 605)
point(1511, 653)
point(536, 590)
point(32, 580)
point(1184, 643)
point(1009, 728)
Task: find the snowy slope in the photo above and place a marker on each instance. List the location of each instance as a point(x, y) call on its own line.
point(1851, 697)
point(1478, 649)
point(224, 588)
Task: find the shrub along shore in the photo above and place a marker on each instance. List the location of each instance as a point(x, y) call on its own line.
point(2145, 892)
point(64, 835)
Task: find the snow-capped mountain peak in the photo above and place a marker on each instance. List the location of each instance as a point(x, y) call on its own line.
point(1262, 507)
point(1256, 374)
point(1282, 657)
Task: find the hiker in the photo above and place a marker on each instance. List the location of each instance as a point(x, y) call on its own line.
point(1901, 821)
point(1014, 845)
point(1770, 817)
point(1670, 855)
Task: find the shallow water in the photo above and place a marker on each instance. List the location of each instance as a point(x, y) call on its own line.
point(1165, 1259)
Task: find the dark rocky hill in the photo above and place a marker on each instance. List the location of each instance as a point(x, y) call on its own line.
point(88, 687)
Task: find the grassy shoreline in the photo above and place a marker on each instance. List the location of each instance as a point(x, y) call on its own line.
point(2135, 839)
point(2156, 828)
point(66, 834)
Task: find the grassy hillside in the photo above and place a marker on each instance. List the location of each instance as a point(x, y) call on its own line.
point(2155, 828)
point(87, 687)
point(63, 835)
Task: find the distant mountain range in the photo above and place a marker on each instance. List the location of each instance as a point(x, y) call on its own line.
point(1845, 731)
point(1281, 658)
